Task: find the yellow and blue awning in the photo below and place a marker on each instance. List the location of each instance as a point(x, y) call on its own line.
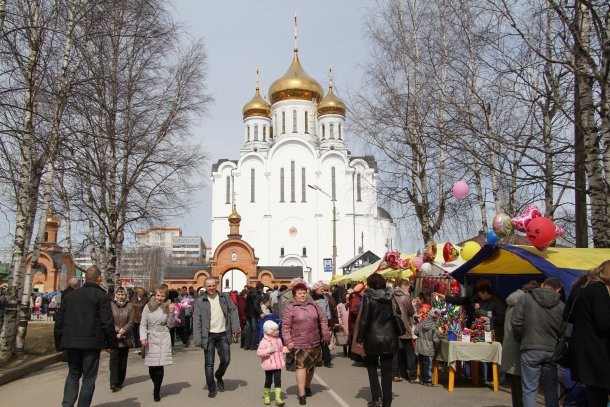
point(513, 266)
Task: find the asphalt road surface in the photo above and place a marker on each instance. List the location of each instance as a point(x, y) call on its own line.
point(342, 385)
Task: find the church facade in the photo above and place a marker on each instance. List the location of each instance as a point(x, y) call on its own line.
point(293, 170)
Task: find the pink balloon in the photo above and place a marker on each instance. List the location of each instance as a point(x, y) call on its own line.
point(520, 222)
point(460, 189)
point(417, 262)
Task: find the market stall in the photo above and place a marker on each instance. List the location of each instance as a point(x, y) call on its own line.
point(508, 267)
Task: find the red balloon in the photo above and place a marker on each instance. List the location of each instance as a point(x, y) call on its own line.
point(541, 232)
point(450, 253)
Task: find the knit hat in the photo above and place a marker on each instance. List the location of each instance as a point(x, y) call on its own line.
point(358, 288)
point(317, 286)
point(270, 326)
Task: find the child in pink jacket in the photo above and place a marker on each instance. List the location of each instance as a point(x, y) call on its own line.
point(271, 351)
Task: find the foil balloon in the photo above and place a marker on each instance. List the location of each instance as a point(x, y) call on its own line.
point(426, 268)
point(470, 249)
point(450, 252)
point(502, 225)
point(460, 189)
point(520, 222)
point(430, 253)
point(491, 237)
point(541, 232)
point(417, 262)
point(559, 232)
point(404, 264)
point(455, 286)
point(395, 265)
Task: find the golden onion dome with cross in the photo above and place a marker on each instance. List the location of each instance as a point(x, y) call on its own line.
point(53, 221)
point(295, 84)
point(331, 104)
point(234, 218)
point(257, 106)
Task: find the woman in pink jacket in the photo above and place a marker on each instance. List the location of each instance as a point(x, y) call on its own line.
point(343, 313)
point(304, 327)
point(271, 351)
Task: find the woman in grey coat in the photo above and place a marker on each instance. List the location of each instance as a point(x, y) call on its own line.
point(157, 319)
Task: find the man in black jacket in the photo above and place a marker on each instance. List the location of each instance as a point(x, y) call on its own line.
point(83, 327)
point(254, 312)
point(537, 323)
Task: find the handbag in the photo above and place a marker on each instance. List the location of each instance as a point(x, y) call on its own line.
point(357, 348)
point(561, 354)
point(342, 338)
point(332, 341)
point(400, 325)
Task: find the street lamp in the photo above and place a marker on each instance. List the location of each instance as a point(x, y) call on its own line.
point(333, 200)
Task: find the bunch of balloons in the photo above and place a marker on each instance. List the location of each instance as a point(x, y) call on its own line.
point(539, 230)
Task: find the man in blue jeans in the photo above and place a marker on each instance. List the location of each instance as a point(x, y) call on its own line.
point(83, 327)
point(215, 323)
point(537, 323)
point(254, 312)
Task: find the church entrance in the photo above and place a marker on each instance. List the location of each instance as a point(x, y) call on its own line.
point(234, 279)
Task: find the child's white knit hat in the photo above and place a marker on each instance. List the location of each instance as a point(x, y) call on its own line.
point(270, 326)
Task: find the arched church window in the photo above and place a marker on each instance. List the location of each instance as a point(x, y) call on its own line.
point(228, 191)
point(281, 252)
point(294, 121)
point(256, 132)
point(306, 122)
point(340, 131)
point(304, 251)
point(331, 130)
point(248, 133)
point(323, 131)
point(283, 122)
point(292, 179)
point(252, 186)
point(303, 186)
point(358, 188)
point(281, 185)
point(264, 133)
point(333, 185)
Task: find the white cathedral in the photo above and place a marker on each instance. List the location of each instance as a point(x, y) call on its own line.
point(293, 168)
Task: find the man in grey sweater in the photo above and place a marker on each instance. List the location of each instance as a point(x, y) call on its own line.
point(537, 323)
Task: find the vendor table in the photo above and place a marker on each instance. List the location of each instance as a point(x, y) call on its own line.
point(453, 351)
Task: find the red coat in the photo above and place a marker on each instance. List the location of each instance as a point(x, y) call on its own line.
point(354, 308)
point(241, 310)
point(302, 324)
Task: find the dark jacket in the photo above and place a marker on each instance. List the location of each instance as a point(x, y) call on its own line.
point(377, 330)
point(123, 318)
point(498, 310)
point(590, 343)
point(85, 320)
point(253, 304)
point(138, 306)
point(537, 320)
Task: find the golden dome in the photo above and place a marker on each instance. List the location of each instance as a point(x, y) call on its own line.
point(52, 220)
point(331, 104)
point(234, 218)
point(257, 106)
point(295, 84)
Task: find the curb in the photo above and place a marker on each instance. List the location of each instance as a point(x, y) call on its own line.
point(30, 367)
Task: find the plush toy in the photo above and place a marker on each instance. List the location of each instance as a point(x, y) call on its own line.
point(179, 306)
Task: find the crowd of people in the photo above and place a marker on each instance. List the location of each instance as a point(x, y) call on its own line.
point(385, 326)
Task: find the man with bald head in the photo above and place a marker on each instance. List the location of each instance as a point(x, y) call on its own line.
point(215, 324)
point(83, 327)
point(72, 285)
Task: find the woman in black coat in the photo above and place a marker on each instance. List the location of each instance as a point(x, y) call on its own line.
point(378, 333)
point(590, 343)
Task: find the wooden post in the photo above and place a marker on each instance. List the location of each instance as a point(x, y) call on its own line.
point(474, 371)
point(435, 372)
point(494, 368)
point(451, 378)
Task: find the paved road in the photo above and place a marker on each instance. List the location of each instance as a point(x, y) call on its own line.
point(343, 385)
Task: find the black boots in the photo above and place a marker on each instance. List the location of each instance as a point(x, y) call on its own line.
point(156, 375)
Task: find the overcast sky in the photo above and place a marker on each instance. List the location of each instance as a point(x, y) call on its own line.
point(241, 35)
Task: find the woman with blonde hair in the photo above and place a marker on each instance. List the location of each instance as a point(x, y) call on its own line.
point(588, 310)
point(157, 319)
